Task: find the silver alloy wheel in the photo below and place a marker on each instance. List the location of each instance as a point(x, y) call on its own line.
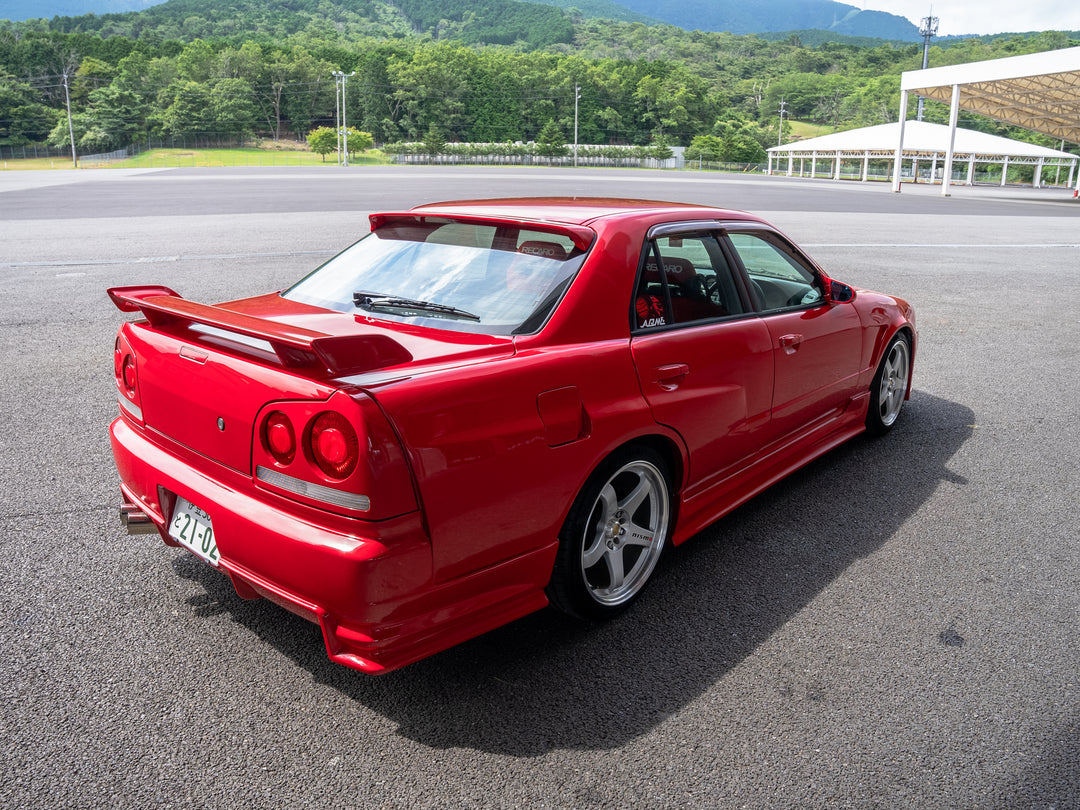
point(894, 381)
point(625, 533)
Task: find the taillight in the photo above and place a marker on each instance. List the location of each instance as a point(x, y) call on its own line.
point(125, 367)
point(339, 454)
point(280, 438)
point(128, 372)
point(334, 446)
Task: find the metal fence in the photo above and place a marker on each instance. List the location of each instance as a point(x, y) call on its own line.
point(287, 157)
point(41, 150)
point(567, 161)
point(33, 150)
point(530, 160)
point(742, 168)
point(105, 157)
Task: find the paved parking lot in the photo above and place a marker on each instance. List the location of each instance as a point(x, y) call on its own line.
point(893, 626)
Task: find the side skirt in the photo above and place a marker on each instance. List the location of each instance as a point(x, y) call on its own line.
point(706, 507)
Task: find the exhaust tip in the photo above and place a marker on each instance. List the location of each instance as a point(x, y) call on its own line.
point(136, 520)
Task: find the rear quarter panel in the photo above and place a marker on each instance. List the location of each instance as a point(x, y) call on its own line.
point(491, 485)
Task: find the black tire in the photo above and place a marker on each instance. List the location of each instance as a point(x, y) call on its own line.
point(889, 387)
point(613, 536)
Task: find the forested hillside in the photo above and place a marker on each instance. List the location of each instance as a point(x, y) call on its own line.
point(419, 71)
point(493, 22)
point(735, 16)
point(602, 10)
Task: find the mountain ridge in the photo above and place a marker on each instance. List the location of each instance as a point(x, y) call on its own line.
point(47, 9)
point(763, 16)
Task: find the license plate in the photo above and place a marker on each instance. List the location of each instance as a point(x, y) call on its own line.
point(192, 527)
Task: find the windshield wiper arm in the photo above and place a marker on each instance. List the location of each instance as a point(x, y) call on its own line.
point(374, 302)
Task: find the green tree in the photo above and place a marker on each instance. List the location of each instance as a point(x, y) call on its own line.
point(188, 109)
point(274, 75)
point(434, 142)
point(705, 147)
point(310, 92)
point(430, 87)
point(611, 122)
point(232, 107)
point(92, 74)
point(114, 118)
point(196, 62)
point(323, 141)
point(22, 118)
point(358, 140)
point(59, 136)
point(490, 110)
point(551, 142)
point(741, 149)
point(659, 150)
point(372, 85)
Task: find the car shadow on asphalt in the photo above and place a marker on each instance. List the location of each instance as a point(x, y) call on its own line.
point(548, 682)
point(1049, 776)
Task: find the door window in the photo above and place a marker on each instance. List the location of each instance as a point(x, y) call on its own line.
point(778, 279)
point(685, 279)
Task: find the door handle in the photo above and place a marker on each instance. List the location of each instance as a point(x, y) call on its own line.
point(790, 343)
point(668, 377)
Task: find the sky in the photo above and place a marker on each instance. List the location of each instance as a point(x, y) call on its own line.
point(984, 16)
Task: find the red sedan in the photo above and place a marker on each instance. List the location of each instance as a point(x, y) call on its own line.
point(484, 407)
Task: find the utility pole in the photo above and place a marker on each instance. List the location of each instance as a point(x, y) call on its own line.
point(343, 126)
point(337, 111)
point(344, 121)
point(927, 28)
point(577, 96)
point(71, 127)
point(783, 109)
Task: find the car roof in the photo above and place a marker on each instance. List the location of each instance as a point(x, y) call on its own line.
point(577, 210)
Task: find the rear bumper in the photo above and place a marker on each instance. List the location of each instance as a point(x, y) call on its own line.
point(367, 584)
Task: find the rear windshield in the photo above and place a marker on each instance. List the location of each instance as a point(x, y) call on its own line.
point(468, 277)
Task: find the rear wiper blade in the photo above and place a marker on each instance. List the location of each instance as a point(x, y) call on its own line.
point(373, 302)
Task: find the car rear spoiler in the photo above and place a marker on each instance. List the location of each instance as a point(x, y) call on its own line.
point(296, 348)
point(580, 235)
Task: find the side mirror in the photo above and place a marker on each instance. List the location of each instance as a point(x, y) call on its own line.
point(839, 293)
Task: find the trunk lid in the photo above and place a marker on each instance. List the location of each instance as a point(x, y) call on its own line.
point(205, 373)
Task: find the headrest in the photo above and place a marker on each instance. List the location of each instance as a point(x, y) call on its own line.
point(677, 270)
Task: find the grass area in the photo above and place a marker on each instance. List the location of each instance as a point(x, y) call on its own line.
point(201, 158)
point(35, 163)
point(802, 130)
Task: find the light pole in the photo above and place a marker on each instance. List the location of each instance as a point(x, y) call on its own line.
point(337, 110)
point(927, 28)
point(342, 124)
point(577, 96)
point(783, 109)
point(71, 128)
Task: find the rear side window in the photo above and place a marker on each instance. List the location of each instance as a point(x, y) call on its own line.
point(463, 276)
point(684, 279)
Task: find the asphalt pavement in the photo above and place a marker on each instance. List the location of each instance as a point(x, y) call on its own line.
point(893, 626)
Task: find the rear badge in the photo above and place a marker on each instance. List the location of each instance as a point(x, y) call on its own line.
point(220, 423)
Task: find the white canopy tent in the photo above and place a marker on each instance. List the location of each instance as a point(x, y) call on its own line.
point(1039, 91)
point(925, 144)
